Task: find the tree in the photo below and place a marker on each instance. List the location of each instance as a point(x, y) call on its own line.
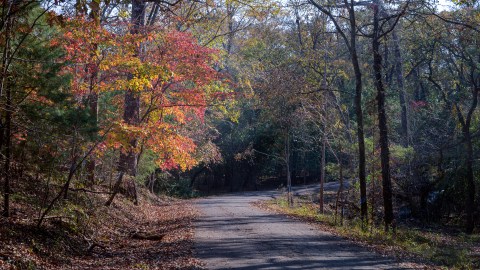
point(459, 56)
point(351, 44)
point(382, 117)
point(18, 22)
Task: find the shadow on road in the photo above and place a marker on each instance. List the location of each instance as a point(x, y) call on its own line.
point(233, 234)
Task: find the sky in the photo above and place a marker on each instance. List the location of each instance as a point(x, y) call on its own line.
point(444, 4)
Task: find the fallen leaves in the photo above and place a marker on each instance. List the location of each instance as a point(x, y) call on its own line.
point(163, 239)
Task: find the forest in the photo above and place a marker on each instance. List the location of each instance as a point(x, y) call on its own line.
point(126, 104)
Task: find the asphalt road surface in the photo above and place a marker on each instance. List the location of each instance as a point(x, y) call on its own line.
point(231, 233)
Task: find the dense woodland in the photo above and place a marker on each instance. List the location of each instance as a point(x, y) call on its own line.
point(102, 98)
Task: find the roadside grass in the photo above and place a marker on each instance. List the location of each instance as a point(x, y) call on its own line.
point(439, 249)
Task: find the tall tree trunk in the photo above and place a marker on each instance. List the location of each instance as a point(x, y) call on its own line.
point(74, 158)
point(398, 70)
point(339, 192)
point(324, 134)
point(373, 171)
point(470, 200)
point(131, 115)
point(93, 104)
point(359, 114)
point(382, 122)
point(93, 96)
point(287, 163)
point(228, 45)
point(322, 173)
point(8, 153)
point(6, 128)
point(401, 88)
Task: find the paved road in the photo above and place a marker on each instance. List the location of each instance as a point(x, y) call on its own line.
point(233, 234)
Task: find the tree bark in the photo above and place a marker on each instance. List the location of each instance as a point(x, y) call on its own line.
point(131, 114)
point(287, 163)
point(116, 188)
point(470, 200)
point(324, 134)
point(6, 129)
point(322, 173)
point(359, 114)
point(401, 88)
point(470, 203)
point(73, 165)
point(8, 153)
point(339, 193)
point(382, 122)
point(398, 70)
point(93, 96)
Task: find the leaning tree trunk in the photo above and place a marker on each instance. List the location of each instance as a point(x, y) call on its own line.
point(128, 159)
point(382, 122)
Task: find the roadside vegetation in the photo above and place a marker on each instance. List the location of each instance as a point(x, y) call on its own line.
point(106, 102)
point(84, 234)
point(431, 247)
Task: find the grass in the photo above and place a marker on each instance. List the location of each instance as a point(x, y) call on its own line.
point(440, 249)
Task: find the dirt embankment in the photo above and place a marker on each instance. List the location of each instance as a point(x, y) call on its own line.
point(157, 234)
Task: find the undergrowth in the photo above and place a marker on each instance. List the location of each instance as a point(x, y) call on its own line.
point(445, 251)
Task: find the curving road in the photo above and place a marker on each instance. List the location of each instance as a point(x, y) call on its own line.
point(233, 234)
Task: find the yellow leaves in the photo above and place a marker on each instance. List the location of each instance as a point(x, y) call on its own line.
point(137, 84)
point(234, 115)
point(124, 61)
point(123, 13)
point(338, 124)
point(172, 75)
point(137, 75)
point(121, 134)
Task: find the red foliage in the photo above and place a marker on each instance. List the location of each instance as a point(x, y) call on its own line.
point(172, 74)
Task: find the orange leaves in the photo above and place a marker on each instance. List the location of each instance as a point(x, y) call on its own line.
point(168, 69)
point(85, 44)
point(174, 150)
